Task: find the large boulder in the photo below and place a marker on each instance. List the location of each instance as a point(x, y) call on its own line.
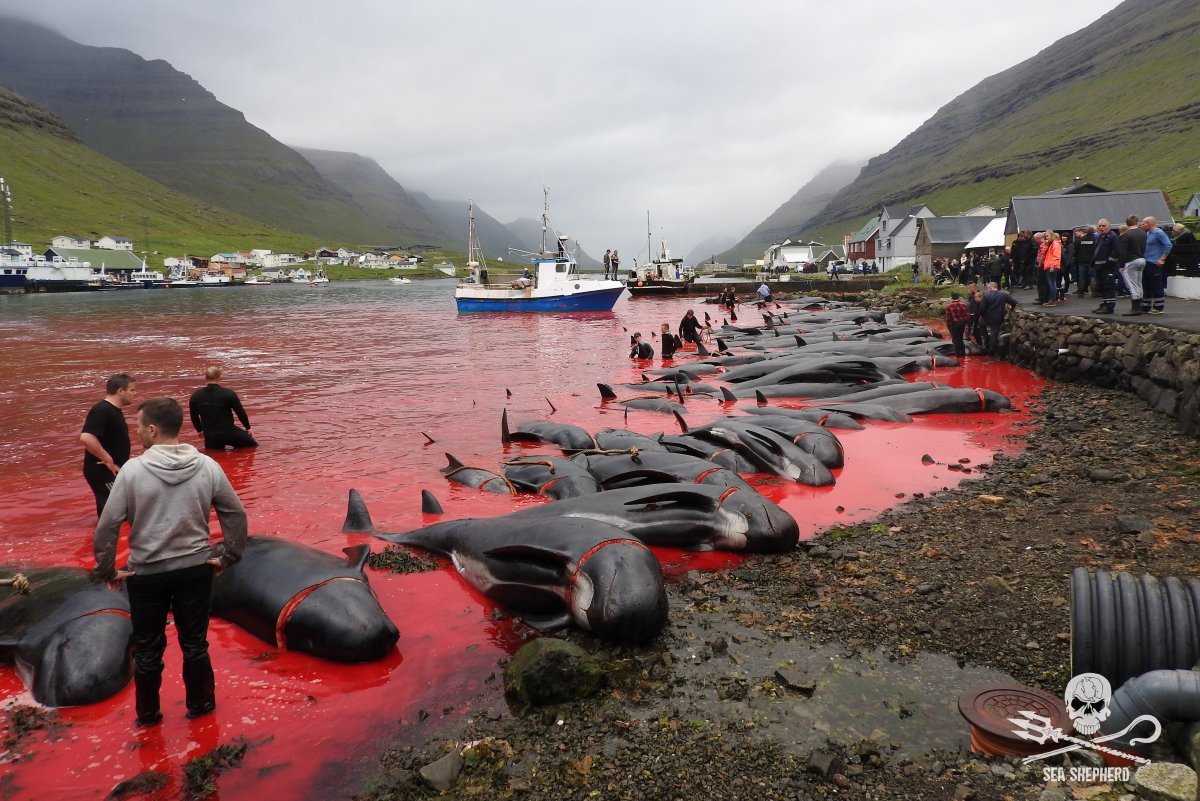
point(552, 671)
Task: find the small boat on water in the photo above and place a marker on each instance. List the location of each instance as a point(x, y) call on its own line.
point(318, 279)
point(554, 285)
point(148, 278)
point(662, 276)
point(212, 278)
point(256, 280)
point(400, 279)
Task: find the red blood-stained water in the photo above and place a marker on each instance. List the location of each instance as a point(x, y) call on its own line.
point(341, 383)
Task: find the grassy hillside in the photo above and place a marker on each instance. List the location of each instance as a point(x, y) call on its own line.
point(1116, 103)
point(789, 219)
point(381, 197)
point(61, 186)
point(157, 120)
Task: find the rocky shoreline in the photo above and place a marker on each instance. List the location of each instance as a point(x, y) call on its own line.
point(835, 670)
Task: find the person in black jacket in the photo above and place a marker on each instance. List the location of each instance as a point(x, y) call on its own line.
point(670, 342)
point(992, 307)
point(689, 327)
point(639, 349)
point(1085, 275)
point(212, 408)
point(105, 437)
point(1104, 263)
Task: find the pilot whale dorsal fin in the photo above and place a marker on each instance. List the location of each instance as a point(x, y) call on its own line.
point(356, 556)
point(358, 519)
point(429, 504)
point(505, 435)
point(727, 396)
point(683, 426)
point(453, 463)
point(690, 495)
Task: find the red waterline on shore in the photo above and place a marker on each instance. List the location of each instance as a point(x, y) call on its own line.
point(354, 420)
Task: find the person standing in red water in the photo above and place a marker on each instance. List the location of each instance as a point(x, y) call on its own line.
point(166, 494)
point(105, 437)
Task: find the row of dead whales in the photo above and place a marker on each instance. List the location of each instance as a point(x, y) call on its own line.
point(582, 558)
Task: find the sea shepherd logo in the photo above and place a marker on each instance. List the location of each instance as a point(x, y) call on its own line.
point(1088, 697)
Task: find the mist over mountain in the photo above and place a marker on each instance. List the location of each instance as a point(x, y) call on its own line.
point(1116, 103)
point(787, 221)
point(451, 215)
point(381, 197)
point(160, 122)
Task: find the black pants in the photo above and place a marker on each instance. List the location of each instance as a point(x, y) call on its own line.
point(956, 336)
point(991, 336)
point(100, 479)
point(1107, 277)
point(234, 437)
point(187, 593)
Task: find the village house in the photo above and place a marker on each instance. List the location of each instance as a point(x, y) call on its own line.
point(114, 243)
point(898, 235)
point(277, 261)
point(982, 210)
point(861, 246)
point(1192, 209)
point(107, 260)
point(791, 256)
point(73, 242)
point(1064, 212)
point(944, 238)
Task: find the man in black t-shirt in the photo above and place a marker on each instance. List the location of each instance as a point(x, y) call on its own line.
point(212, 408)
point(105, 437)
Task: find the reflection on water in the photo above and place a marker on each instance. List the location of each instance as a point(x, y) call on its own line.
point(342, 382)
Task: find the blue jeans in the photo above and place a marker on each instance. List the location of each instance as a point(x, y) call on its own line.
point(1085, 277)
point(1051, 285)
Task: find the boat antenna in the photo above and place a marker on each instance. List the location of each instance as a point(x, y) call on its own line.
point(545, 215)
point(649, 247)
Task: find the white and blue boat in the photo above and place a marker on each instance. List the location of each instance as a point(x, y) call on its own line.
point(552, 285)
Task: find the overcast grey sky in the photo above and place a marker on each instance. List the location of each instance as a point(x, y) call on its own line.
point(707, 115)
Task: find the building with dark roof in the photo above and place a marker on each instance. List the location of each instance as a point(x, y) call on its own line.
point(945, 238)
point(1066, 212)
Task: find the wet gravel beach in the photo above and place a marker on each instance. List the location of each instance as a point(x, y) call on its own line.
point(834, 671)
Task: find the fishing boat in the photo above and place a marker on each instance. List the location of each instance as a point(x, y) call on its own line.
point(663, 275)
point(317, 279)
point(178, 279)
point(400, 279)
point(256, 280)
point(213, 278)
point(148, 278)
point(553, 285)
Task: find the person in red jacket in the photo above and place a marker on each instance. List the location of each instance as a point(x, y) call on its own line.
point(1051, 260)
point(957, 315)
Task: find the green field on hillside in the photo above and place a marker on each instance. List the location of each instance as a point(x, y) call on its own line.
point(63, 187)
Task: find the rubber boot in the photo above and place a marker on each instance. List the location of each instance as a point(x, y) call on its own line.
point(1135, 309)
point(199, 686)
point(146, 686)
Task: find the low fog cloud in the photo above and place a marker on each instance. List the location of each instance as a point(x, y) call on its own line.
point(708, 117)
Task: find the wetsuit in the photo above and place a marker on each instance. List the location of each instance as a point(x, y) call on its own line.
point(212, 408)
point(106, 423)
point(670, 344)
point(689, 329)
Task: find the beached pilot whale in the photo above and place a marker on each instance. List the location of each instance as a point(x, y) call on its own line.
point(68, 636)
point(553, 571)
point(699, 517)
point(565, 435)
point(302, 599)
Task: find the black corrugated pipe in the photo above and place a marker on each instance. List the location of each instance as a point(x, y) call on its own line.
point(1123, 626)
point(1169, 695)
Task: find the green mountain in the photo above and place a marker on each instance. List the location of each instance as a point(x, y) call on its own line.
point(382, 198)
point(789, 219)
point(61, 186)
point(1116, 103)
point(158, 121)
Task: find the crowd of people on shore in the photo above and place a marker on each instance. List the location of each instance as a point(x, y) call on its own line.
point(1130, 261)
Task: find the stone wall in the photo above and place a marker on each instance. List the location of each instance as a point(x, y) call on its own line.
point(1160, 364)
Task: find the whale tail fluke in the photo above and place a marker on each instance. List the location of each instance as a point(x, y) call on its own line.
point(505, 434)
point(358, 519)
point(429, 504)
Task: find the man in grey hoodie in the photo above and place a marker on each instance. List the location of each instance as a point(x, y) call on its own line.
point(166, 494)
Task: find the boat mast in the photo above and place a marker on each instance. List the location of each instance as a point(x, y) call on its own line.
point(6, 201)
point(649, 247)
point(545, 217)
point(475, 258)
